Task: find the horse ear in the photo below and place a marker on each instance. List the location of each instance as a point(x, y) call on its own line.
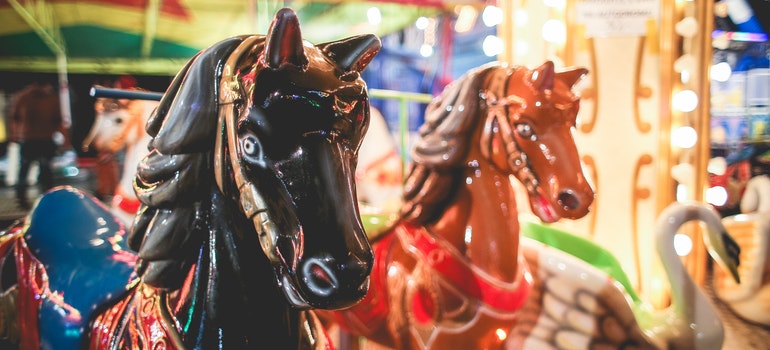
point(354, 53)
point(542, 78)
point(284, 41)
point(571, 76)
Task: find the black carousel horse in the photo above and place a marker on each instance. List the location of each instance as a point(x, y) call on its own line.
point(254, 148)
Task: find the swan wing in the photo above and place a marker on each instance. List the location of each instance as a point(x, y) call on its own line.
point(573, 305)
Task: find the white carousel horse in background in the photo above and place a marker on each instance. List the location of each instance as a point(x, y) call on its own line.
point(379, 172)
point(751, 229)
point(119, 125)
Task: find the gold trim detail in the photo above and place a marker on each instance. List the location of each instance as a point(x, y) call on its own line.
point(638, 194)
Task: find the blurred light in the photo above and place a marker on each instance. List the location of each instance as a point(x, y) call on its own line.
point(501, 334)
point(740, 36)
point(421, 23)
point(687, 27)
point(426, 50)
point(466, 18)
point(721, 71)
point(681, 193)
point(683, 173)
point(716, 195)
point(682, 244)
point(554, 31)
point(717, 166)
point(685, 101)
point(374, 16)
point(492, 45)
point(684, 63)
point(684, 137)
point(492, 16)
point(520, 17)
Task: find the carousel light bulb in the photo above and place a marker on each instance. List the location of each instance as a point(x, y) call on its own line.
point(374, 16)
point(684, 137)
point(684, 63)
point(721, 71)
point(426, 50)
point(716, 195)
point(554, 31)
point(520, 17)
point(717, 166)
point(685, 101)
point(682, 244)
point(687, 27)
point(492, 16)
point(466, 19)
point(421, 23)
point(681, 193)
point(492, 45)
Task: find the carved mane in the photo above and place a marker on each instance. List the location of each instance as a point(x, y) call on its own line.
point(175, 180)
point(442, 146)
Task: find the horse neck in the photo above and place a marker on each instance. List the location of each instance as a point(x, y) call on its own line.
point(240, 286)
point(482, 221)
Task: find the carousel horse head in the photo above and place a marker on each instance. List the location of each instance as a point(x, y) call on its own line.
point(521, 121)
point(271, 143)
point(118, 123)
point(248, 216)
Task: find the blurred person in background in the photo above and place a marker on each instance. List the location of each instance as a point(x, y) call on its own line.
point(35, 118)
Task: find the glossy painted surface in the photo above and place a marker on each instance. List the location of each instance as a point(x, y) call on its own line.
point(445, 276)
point(71, 257)
point(248, 218)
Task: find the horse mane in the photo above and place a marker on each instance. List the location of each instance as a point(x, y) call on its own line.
point(442, 146)
point(174, 182)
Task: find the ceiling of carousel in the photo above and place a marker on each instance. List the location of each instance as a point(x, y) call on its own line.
point(158, 36)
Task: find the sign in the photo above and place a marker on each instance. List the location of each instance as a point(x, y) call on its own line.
point(603, 18)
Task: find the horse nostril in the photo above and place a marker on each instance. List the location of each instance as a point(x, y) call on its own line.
point(319, 275)
point(319, 278)
point(568, 200)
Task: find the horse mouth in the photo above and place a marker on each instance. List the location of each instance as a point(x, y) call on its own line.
point(292, 295)
point(543, 208)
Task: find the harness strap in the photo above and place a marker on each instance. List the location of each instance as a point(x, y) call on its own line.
point(453, 268)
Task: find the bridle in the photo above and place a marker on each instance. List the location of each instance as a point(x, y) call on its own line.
point(517, 160)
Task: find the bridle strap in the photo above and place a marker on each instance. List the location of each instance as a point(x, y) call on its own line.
point(517, 159)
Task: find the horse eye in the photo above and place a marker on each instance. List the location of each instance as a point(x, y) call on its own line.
point(525, 130)
point(250, 145)
point(118, 120)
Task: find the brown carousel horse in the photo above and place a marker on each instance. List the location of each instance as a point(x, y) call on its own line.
point(456, 272)
point(448, 275)
point(254, 150)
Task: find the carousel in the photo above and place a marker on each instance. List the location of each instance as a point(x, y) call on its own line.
point(391, 175)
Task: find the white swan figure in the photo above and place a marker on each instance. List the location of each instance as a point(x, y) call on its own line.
point(751, 298)
point(580, 306)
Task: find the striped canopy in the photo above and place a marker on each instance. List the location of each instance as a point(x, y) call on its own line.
point(158, 36)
